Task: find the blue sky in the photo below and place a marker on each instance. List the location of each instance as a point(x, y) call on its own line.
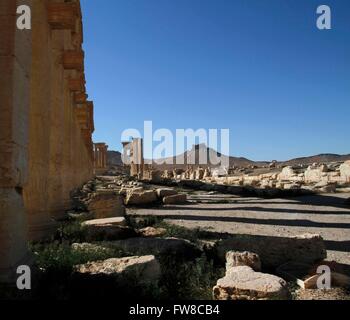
point(260, 68)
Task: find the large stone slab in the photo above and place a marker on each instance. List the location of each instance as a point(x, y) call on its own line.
point(165, 192)
point(275, 251)
point(106, 205)
point(243, 283)
point(175, 199)
point(142, 268)
point(136, 198)
point(107, 229)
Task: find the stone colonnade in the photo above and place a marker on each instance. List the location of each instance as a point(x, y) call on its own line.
point(46, 123)
point(100, 157)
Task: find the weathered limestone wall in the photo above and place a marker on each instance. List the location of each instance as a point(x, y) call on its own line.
point(15, 70)
point(59, 158)
point(45, 139)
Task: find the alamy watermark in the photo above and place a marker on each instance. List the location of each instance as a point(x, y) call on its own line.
point(24, 280)
point(162, 146)
point(323, 22)
point(24, 19)
point(324, 280)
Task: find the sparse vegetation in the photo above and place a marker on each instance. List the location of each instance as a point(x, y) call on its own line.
point(179, 279)
point(188, 281)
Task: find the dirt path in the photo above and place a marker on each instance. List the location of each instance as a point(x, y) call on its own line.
point(326, 215)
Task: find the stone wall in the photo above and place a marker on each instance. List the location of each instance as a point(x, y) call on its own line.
point(15, 69)
point(46, 123)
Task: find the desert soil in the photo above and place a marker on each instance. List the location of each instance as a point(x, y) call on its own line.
point(327, 215)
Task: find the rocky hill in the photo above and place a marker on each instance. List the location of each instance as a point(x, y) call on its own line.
point(198, 151)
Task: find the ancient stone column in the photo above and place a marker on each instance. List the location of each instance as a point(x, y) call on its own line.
point(36, 191)
point(100, 163)
point(15, 70)
point(105, 148)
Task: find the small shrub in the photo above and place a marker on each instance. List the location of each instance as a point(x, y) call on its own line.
point(188, 281)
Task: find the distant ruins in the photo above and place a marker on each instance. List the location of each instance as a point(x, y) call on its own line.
point(100, 158)
point(322, 177)
point(46, 124)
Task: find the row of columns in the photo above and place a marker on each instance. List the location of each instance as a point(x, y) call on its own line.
point(100, 157)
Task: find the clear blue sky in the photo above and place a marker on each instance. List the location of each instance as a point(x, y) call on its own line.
point(260, 68)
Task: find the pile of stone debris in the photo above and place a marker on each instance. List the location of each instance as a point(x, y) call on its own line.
point(106, 196)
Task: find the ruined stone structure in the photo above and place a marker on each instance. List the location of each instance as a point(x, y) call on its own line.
point(100, 158)
point(133, 156)
point(46, 122)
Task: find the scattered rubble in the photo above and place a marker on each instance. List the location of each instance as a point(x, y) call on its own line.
point(247, 257)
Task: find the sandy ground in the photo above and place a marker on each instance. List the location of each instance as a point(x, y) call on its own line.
point(326, 215)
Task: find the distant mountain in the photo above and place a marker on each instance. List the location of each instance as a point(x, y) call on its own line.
point(201, 152)
point(324, 158)
point(198, 152)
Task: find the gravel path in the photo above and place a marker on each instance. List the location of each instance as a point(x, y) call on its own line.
point(326, 215)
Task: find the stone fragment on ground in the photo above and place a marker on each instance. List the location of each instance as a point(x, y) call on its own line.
point(143, 268)
point(157, 246)
point(326, 187)
point(151, 232)
point(107, 229)
point(245, 258)
point(165, 192)
point(175, 199)
point(275, 251)
point(243, 283)
point(116, 221)
point(106, 205)
point(137, 197)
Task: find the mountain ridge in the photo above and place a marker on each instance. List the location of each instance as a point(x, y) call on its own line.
point(114, 159)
